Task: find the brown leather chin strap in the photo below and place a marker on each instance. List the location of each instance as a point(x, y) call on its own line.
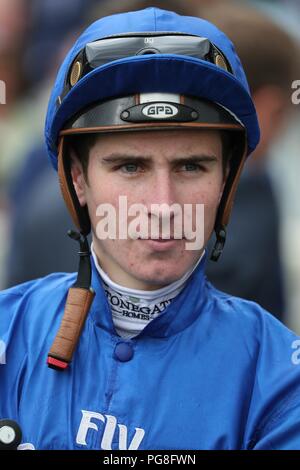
point(80, 295)
point(77, 307)
point(237, 163)
point(63, 183)
point(79, 214)
point(233, 180)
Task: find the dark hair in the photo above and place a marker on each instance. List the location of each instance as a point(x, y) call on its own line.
point(81, 144)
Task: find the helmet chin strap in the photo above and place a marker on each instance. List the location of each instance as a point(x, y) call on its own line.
point(219, 245)
point(79, 301)
point(220, 238)
point(228, 195)
point(80, 295)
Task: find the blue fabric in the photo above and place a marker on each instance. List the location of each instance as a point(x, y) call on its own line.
point(152, 73)
point(212, 372)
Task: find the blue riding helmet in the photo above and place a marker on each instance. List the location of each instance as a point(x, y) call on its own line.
point(151, 72)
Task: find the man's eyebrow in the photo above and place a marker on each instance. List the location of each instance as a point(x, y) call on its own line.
point(196, 159)
point(120, 158)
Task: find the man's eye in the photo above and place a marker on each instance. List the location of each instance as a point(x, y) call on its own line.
point(129, 168)
point(191, 167)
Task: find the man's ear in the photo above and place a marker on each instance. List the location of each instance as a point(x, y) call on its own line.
point(78, 178)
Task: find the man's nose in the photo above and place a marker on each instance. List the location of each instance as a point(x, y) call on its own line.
point(163, 190)
point(162, 193)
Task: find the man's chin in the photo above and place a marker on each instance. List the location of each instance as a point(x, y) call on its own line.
point(156, 280)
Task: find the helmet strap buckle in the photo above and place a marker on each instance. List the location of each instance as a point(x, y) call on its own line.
point(219, 245)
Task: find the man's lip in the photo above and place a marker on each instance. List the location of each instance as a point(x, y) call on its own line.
point(161, 239)
point(161, 245)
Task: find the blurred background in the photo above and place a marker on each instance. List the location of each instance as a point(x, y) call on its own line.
point(261, 260)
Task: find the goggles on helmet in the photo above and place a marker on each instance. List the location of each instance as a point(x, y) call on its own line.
point(106, 50)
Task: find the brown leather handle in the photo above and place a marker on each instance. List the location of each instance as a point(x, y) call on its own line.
point(77, 307)
point(230, 197)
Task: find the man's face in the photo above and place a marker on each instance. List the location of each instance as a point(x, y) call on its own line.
point(151, 168)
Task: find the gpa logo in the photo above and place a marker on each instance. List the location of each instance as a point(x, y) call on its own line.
point(160, 110)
